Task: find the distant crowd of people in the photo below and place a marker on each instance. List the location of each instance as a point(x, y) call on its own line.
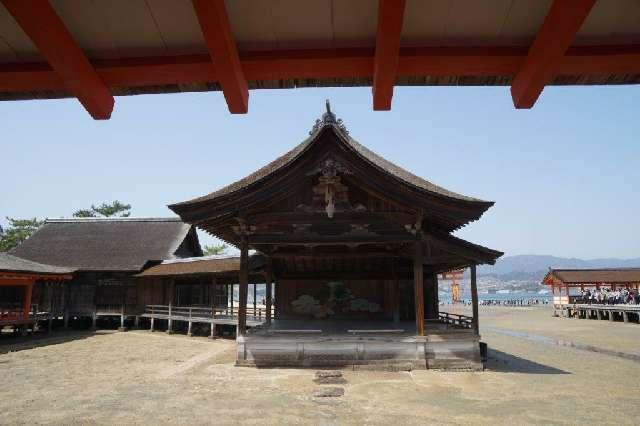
point(513, 302)
point(608, 296)
point(506, 302)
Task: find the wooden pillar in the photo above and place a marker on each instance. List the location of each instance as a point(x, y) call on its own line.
point(170, 322)
point(274, 300)
point(214, 293)
point(395, 292)
point(433, 308)
point(66, 296)
point(231, 296)
point(255, 294)
point(189, 329)
point(26, 305)
point(268, 289)
point(49, 289)
point(172, 291)
point(418, 287)
point(474, 299)
point(244, 286)
point(122, 313)
point(213, 330)
point(152, 324)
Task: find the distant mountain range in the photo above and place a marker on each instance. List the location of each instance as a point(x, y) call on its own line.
point(525, 267)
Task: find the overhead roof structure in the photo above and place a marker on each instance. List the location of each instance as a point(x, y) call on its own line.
point(10, 264)
point(332, 205)
point(448, 209)
point(592, 276)
point(108, 244)
point(216, 265)
point(96, 50)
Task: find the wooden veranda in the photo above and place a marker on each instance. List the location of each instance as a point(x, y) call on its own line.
point(585, 293)
point(199, 290)
point(18, 278)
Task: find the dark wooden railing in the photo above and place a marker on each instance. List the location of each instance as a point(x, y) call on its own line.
point(197, 312)
point(456, 320)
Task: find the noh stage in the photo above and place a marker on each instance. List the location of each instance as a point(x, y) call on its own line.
point(352, 246)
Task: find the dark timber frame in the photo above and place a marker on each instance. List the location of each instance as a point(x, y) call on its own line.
point(332, 210)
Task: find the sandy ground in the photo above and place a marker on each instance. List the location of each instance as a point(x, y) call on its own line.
point(140, 377)
point(599, 333)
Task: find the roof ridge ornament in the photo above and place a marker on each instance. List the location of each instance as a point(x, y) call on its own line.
point(328, 119)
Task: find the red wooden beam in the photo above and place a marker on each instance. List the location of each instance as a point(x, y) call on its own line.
point(558, 31)
point(43, 26)
point(218, 36)
point(323, 63)
point(390, 14)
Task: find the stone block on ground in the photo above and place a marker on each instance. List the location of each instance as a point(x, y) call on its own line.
point(321, 374)
point(328, 392)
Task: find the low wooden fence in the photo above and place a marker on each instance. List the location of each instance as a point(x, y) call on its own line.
point(456, 320)
point(12, 316)
point(220, 315)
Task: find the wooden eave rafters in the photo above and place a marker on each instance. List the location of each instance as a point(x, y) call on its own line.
point(456, 246)
point(71, 68)
point(150, 74)
point(216, 29)
point(385, 65)
point(558, 31)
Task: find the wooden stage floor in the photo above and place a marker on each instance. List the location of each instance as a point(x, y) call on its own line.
point(349, 327)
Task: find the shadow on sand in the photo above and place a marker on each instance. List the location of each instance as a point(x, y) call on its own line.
point(508, 363)
point(20, 343)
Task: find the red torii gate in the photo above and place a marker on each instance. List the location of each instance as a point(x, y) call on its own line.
point(454, 275)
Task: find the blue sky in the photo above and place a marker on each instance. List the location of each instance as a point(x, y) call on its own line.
point(565, 175)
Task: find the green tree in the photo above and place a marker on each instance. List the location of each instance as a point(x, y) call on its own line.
point(17, 231)
point(210, 250)
point(115, 208)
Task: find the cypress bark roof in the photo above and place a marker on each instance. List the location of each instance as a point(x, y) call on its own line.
point(201, 265)
point(122, 244)
point(329, 122)
point(10, 263)
point(593, 276)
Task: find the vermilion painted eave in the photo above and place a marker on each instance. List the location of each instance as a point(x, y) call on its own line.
point(328, 63)
point(385, 67)
point(18, 277)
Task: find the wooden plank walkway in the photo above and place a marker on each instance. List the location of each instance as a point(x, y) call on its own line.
point(621, 312)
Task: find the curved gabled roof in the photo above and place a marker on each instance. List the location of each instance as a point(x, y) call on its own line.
point(330, 122)
point(595, 276)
